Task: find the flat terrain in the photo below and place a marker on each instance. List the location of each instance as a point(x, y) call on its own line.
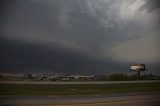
point(124, 99)
point(100, 93)
point(77, 89)
point(77, 82)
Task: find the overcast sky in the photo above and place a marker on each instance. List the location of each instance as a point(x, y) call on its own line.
point(79, 36)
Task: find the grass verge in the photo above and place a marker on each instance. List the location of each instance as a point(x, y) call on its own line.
point(76, 89)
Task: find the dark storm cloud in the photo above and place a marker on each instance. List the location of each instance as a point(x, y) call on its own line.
point(151, 5)
point(64, 23)
point(18, 56)
point(79, 31)
point(85, 25)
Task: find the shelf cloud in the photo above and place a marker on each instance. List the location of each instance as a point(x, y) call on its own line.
point(82, 33)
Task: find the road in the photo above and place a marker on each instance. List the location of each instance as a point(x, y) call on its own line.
point(128, 99)
point(77, 82)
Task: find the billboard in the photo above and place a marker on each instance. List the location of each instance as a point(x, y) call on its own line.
point(137, 67)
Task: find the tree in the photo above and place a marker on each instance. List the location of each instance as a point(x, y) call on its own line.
point(29, 76)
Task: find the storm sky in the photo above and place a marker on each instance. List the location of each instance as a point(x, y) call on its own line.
point(79, 36)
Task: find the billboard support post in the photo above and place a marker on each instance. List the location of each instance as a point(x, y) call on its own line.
point(139, 76)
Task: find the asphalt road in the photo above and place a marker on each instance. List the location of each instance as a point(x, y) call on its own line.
point(76, 82)
point(128, 99)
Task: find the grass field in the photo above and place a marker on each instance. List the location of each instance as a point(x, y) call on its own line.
point(76, 89)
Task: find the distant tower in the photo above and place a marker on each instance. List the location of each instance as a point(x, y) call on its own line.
point(138, 68)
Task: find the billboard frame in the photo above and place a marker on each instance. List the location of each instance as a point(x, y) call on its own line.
point(138, 68)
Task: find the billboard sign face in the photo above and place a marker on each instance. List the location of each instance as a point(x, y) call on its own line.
point(137, 67)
